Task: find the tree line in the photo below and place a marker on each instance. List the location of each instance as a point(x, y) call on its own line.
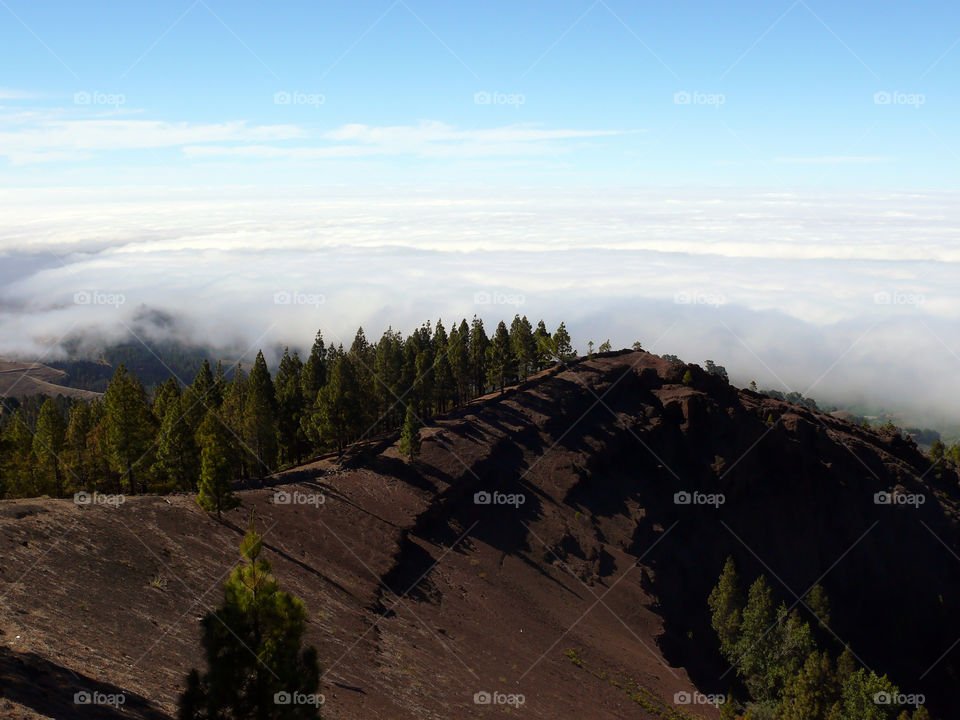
point(205, 435)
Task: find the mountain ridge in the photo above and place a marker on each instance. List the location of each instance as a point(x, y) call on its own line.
point(598, 575)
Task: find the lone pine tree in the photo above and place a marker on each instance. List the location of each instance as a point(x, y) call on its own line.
point(257, 666)
point(410, 437)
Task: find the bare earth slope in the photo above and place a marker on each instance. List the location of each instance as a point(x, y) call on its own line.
point(20, 379)
point(589, 598)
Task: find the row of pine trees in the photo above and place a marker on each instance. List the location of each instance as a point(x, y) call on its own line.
point(246, 423)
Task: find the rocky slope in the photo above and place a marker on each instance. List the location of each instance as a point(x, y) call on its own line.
point(580, 586)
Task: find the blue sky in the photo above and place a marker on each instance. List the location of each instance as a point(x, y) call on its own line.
point(782, 94)
point(768, 184)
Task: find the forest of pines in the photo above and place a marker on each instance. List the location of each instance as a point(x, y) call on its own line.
point(204, 436)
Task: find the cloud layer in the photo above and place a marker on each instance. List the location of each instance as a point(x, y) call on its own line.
point(852, 297)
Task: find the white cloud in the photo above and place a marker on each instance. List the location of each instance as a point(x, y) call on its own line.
point(833, 160)
point(12, 94)
point(85, 133)
point(35, 137)
point(798, 277)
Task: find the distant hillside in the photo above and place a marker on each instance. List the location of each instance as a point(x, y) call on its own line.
point(25, 379)
point(152, 363)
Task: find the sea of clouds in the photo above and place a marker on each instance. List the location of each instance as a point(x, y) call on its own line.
point(847, 297)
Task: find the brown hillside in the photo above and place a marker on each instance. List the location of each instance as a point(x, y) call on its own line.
point(589, 599)
point(22, 379)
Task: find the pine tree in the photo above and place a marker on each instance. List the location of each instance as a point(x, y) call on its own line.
point(478, 355)
point(215, 492)
point(726, 605)
point(163, 394)
point(444, 386)
point(291, 441)
point(48, 443)
point(388, 366)
point(219, 390)
point(197, 398)
point(20, 463)
point(846, 664)
point(543, 346)
point(458, 355)
point(102, 471)
point(260, 417)
point(336, 413)
point(410, 437)
point(4, 464)
point(422, 397)
point(360, 349)
point(253, 645)
point(937, 450)
point(314, 375)
point(794, 643)
point(177, 459)
point(76, 454)
point(233, 414)
point(757, 646)
point(362, 355)
point(501, 364)
point(811, 692)
point(562, 348)
point(858, 693)
point(129, 425)
point(818, 603)
point(522, 344)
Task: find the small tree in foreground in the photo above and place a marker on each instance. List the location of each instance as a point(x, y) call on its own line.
point(256, 667)
point(410, 436)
